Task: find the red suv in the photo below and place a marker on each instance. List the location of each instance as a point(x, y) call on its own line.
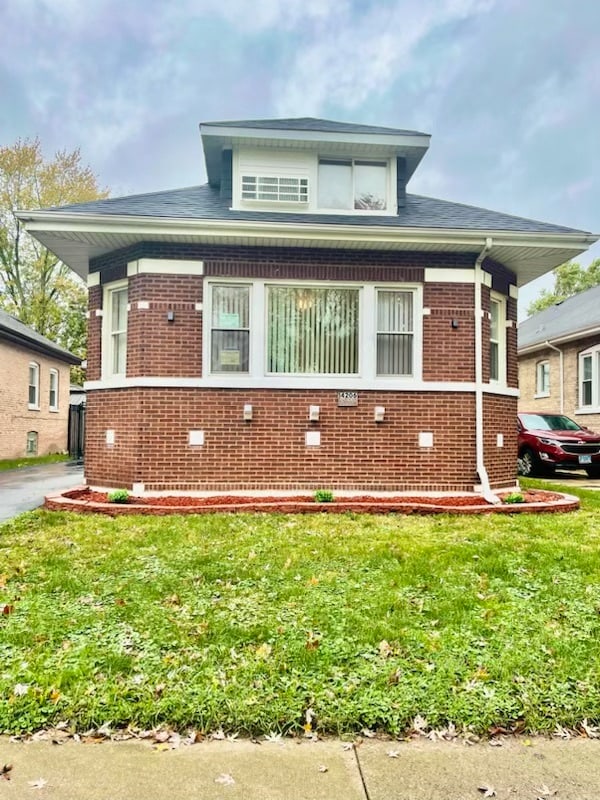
point(550, 441)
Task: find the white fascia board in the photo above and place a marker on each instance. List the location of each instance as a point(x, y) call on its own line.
point(318, 137)
point(120, 223)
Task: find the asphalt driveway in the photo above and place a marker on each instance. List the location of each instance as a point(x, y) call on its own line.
point(24, 489)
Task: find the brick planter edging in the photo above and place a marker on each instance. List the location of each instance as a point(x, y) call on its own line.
point(62, 502)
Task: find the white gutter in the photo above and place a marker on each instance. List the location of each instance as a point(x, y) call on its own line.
point(561, 367)
point(481, 470)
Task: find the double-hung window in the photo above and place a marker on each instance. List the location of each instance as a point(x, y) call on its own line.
point(285, 333)
point(542, 379)
point(115, 339)
point(33, 396)
point(589, 378)
point(353, 184)
point(230, 328)
point(497, 339)
point(53, 390)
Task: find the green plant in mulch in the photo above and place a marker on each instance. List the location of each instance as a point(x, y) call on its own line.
point(513, 497)
point(323, 496)
point(118, 496)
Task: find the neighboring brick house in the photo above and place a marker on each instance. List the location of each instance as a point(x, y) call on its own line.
point(559, 359)
point(301, 321)
point(34, 391)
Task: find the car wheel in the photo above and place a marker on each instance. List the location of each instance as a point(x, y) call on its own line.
point(593, 472)
point(527, 463)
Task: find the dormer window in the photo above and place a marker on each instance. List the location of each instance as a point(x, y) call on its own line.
point(275, 189)
point(353, 184)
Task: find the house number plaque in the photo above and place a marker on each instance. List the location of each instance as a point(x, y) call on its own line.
point(347, 399)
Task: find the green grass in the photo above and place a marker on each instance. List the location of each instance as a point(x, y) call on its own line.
point(31, 461)
point(245, 621)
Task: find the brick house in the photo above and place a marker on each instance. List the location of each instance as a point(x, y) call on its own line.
point(34, 391)
point(559, 359)
point(301, 321)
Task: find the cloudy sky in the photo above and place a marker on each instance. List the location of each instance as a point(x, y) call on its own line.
point(509, 89)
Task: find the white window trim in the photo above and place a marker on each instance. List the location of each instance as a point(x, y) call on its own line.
point(391, 199)
point(279, 176)
point(500, 299)
point(53, 373)
point(107, 344)
point(367, 362)
point(538, 367)
point(594, 407)
point(34, 406)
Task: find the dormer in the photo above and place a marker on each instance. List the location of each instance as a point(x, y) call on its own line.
point(311, 165)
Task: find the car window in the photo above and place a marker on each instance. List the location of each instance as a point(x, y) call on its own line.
point(549, 422)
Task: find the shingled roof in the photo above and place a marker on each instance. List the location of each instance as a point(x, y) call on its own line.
point(13, 330)
point(312, 124)
point(576, 315)
point(204, 203)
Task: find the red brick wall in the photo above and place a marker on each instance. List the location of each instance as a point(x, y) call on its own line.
point(270, 450)
point(151, 425)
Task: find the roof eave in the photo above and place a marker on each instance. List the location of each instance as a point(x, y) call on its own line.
point(582, 333)
point(81, 227)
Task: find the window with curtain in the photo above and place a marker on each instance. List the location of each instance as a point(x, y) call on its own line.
point(230, 328)
point(312, 330)
point(395, 332)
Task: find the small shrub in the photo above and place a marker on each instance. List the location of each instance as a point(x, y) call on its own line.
point(118, 496)
point(513, 497)
point(323, 496)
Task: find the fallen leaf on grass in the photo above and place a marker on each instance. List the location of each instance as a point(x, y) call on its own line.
point(20, 689)
point(264, 650)
point(544, 791)
point(225, 779)
point(7, 609)
point(272, 737)
point(5, 772)
point(487, 791)
point(218, 735)
point(368, 733)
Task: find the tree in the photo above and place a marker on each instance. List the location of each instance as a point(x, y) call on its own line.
point(569, 279)
point(35, 286)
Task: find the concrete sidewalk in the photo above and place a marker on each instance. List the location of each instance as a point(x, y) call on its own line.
point(521, 769)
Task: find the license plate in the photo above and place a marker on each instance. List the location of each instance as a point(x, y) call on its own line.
point(585, 459)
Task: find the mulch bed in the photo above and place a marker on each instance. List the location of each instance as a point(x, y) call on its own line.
point(86, 500)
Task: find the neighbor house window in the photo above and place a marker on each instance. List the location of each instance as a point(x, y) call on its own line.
point(32, 443)
point(115, 357)
point(353, 184)
point(542, 383)
point(53, 394)
point(395, 332)
point(275, 189)
point(230, 328)
point(589, 378)
point(33, 400)
point(312, 330)
point(497, 338)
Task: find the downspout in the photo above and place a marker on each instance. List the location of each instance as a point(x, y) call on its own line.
point(481, 470)
point(562, 387)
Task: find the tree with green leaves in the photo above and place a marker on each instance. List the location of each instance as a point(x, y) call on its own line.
point(569, 279)
point(35, 286)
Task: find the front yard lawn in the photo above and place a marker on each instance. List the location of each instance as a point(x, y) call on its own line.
point(247, 621)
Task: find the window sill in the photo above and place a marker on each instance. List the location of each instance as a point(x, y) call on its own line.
point(587, 410)
point(541, 394)
point(54, 410)
point(33, 408)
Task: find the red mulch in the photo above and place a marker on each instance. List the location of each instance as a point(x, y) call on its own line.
point(446, 501)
